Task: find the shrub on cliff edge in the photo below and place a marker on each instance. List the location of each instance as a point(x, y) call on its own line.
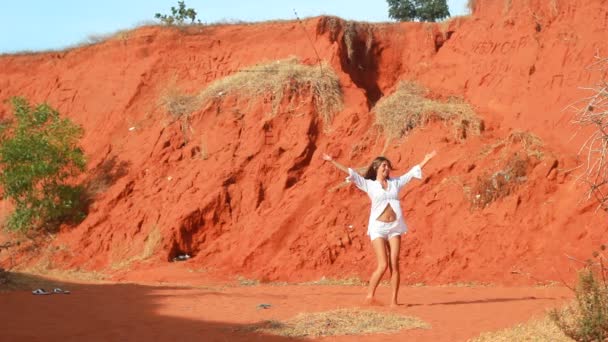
point(178, 15)
point(423, 10)
point(39, 154)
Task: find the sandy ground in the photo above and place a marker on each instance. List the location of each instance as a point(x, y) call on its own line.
point(199, 311)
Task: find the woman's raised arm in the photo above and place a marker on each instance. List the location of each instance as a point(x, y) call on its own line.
point(329, 158)
point(353, 176)
point(427, 157)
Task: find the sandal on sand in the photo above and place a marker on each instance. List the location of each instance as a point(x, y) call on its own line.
point(40, 292)
point(60, 291)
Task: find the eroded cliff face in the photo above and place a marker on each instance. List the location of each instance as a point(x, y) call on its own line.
point(244, 191)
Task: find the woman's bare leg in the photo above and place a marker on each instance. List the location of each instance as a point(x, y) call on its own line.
point(379, 245)
point(394, 244)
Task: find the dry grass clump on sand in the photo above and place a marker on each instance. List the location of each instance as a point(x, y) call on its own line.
point(176, 102)
point(13, 281)
point(151, 243)
point(408, 108)
point(279, 79)
point(339, 322)
point(32, 278)
point(530, 142)
point(354, 281)
point(242, 281)
point(179, 105)
point(493, 186)
point(540, 330)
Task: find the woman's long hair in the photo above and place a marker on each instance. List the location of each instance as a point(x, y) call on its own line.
point(372, 170)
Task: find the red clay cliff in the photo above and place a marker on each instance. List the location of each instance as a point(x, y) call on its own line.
point(248, 194)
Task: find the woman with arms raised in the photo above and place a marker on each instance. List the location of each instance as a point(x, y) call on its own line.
point(386, 223)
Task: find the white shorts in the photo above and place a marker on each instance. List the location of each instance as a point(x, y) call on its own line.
point(386, 230)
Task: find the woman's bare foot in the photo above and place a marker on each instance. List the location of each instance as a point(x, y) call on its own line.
point(395, 304)
point(370, 301)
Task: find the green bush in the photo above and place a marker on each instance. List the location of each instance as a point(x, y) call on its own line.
point(423, 10)
point(587, 320)
point(39, 155)
point(178, 15)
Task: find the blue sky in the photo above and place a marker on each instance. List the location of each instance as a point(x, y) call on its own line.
point(30, 25)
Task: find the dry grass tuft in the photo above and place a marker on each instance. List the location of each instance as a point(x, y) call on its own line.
point(339, 322)
point(553, 6)
point(540, 330)
point(46, 265)
point(507, 7)
point(247, 282)
point(151, 243)
point(354, 281)
point(353, 34)
point(471, 4)
point(76, 275)
point(27, 281)
point(93, 39)
point(353, 31)
point(350, 34)
point(408, 108)
point(176, 102)
point(566, 319)
point(280, 79)
point(179, 105)
point(521, 151)
point(493, 186)
point(204, 150)
point(120, 35)
point(587, 318)
point(530, 142)
point(14, 281)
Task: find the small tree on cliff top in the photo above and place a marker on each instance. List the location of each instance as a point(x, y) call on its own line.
point(423, 10)
point(178, 15)
point(38, 156)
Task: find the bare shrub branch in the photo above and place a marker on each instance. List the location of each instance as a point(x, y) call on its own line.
point(593, 111)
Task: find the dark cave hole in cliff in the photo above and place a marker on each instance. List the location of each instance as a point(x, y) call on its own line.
point(179, 254)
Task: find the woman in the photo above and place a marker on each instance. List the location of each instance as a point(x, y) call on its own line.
point(386, 222)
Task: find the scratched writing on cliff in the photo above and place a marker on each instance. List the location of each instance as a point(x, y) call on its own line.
point(488, 47)
point(205, 67)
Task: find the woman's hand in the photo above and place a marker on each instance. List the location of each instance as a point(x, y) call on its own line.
point(330, 159)
point(428, 157)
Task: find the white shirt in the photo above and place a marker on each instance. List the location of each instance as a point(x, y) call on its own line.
point(379, 196)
